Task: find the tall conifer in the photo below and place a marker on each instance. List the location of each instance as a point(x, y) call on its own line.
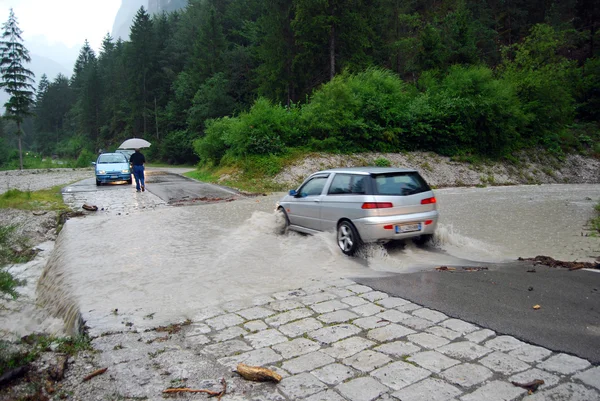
point(17, 80)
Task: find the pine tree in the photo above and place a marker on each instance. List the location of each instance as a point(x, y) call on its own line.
point(86, 57)
point(17, 80)
point(141, 63)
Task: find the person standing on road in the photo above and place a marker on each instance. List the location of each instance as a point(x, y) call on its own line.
point(137, 160)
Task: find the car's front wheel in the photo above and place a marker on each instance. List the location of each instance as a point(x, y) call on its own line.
point(98, 183)
point(348, 238)
point(283, 222)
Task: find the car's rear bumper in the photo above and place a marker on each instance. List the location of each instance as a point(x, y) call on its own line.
point(373, 229)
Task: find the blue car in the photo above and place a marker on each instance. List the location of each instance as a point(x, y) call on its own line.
point(112, 167)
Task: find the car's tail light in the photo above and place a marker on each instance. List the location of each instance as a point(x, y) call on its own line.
point(428, 222)
point(377, 205)
point(388, 227)
point(428, 201)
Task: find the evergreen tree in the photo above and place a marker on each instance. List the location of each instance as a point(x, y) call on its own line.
point(141, 65)
point(86, 57)
point(17, 80)
point(276, 49)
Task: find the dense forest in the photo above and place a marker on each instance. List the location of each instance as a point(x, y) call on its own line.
point(226, 79)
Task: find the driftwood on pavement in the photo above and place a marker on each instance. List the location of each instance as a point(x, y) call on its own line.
point(531, 386)
point(94, 374)
point(257, 374)
point(548, 261)
point(210, 393)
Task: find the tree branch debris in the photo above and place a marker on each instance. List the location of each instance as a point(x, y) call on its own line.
point(211, 393)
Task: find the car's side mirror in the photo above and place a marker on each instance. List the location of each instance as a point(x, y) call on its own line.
point(93, 163)
point(293, 192)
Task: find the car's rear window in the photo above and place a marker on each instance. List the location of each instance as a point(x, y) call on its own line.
point(402, 184)
point(113, 158)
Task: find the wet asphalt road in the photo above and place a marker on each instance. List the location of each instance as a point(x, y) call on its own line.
point(175, 188)
point(502, 299)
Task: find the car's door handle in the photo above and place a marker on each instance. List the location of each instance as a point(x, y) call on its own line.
point(316, 200)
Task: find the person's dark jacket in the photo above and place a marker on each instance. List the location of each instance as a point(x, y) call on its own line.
point(137, 159)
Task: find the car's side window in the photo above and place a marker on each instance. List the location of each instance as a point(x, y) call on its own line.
point(314, 186)
point(347, 184)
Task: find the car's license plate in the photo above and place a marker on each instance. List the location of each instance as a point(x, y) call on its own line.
point(114, 176)
point(406, 228)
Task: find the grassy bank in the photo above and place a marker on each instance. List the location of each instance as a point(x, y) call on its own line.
point(45, 199)
point(252, 174)
point(595, 222)
point(15, 248)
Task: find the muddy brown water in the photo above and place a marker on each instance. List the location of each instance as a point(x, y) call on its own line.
point(168, 264)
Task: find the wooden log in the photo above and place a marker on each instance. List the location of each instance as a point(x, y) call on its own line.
point(257, 373)
point(94, 374)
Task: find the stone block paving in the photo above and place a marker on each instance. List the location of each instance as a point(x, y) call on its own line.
point(387, 349)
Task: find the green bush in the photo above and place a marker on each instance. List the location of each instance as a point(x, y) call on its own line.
point(265, 129)
point(357, 112)
point(468, 110)
point(85, 159)
point(382, 162)
point(544, 81)
point(176, 148)
point(212, 147)
point(588, 94)
point(265, 165)
point(71, 148)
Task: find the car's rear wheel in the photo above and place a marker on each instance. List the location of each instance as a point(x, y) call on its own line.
point(422, 239)
point(348, 238)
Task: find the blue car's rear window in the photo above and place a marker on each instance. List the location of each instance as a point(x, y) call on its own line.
point(402, 184)
point(114, 158)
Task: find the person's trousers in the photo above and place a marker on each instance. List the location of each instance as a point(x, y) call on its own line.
point(138, 174)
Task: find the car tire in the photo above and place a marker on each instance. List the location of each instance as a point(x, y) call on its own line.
point(283, 221)
point(422, 240)
point(130, 181)
point(347, 238)
point(98, 183)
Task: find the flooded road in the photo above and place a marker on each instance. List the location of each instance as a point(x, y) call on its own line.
point(156, 264)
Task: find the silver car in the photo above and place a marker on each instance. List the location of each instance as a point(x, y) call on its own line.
point(366, 204)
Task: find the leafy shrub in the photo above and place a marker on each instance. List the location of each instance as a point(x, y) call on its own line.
point(177, 147)
point(212, 147)
point(382, 162)
point(588, 94)
point(265, 129)
point(544, 81)
point(264, 165)
point(72, 147)
point(357, 112)
point(467, 110)
point(85, 158)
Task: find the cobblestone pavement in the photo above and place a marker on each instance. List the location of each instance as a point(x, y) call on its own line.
point(334, 341)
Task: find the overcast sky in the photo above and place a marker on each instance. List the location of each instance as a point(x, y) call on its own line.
point(69, 22)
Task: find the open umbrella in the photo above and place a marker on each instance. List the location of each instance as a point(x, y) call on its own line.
point(135, 143)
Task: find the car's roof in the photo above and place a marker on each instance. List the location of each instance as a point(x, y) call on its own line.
point(110, 154)
point(367, 170)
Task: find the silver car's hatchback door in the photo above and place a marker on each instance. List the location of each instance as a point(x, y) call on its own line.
point(305, 208)
point(406, 191)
